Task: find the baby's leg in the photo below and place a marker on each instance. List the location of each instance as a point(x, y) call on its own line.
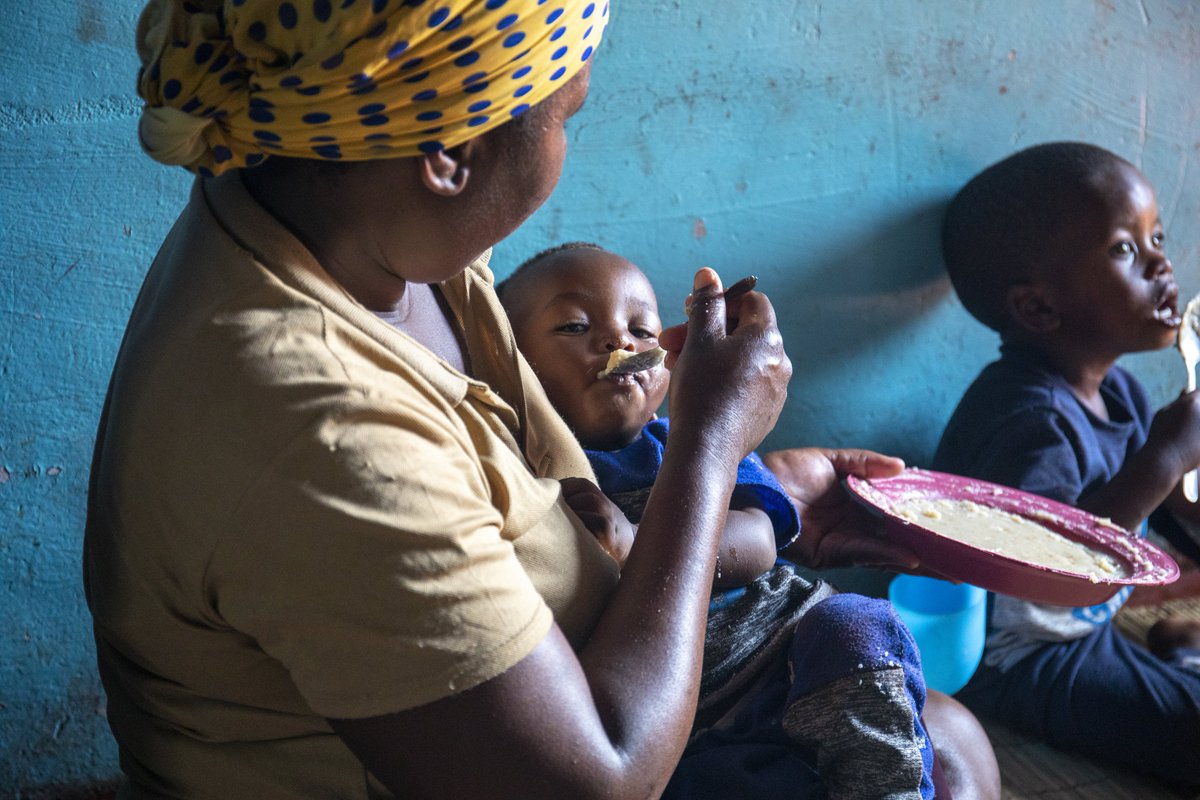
point(856, 700)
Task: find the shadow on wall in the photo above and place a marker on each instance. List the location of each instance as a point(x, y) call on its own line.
point(870, 291)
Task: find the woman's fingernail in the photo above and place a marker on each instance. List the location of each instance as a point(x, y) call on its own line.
point(706, 278)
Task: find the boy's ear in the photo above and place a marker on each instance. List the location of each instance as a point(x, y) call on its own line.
point(1031, 309)
point(445, 172)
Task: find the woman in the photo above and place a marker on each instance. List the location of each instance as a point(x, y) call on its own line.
point(326, 528)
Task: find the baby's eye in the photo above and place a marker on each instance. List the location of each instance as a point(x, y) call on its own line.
point(1122, 249)
point(572, 327)
point(642, 333)
point(1158, 239)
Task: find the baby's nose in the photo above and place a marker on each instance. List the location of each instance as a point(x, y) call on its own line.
point(618, 341)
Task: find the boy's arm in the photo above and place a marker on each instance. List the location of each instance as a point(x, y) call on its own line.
point(747, 548)
point(1152, 474)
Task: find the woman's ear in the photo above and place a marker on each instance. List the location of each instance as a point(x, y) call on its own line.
point(445, 172)
point(1028, 306)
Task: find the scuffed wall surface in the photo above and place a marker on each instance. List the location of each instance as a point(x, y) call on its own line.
point(813, 144)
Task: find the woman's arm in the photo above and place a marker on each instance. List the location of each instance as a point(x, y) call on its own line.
point(834, 530)
point(611, 721)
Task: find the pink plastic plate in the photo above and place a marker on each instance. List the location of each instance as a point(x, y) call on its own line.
point(1144, 563)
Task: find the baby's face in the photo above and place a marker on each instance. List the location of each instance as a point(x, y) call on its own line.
point(581, 306)
point(1113, 285)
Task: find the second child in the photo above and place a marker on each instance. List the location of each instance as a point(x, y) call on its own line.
point(1059, 248)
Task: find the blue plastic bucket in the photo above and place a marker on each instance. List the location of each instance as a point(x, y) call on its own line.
point(947, 620)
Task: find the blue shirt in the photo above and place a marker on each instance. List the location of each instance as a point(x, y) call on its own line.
point(1020, 425)
point(627, 475)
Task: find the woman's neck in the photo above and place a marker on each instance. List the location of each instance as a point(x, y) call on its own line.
point(335, 222)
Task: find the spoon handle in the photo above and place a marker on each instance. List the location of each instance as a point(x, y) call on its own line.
point(1191, 485)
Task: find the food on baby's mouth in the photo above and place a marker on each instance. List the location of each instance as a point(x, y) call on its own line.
point(624, 362)
point(1007, 534)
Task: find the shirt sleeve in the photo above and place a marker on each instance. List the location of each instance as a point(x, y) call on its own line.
point(372, 560)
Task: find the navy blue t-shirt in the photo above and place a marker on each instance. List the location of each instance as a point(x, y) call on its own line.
point(1020, 425)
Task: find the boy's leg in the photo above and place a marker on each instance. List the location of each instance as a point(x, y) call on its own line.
point(1101, 695)
point(856, 700)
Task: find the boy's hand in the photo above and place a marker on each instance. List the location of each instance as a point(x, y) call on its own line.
point(1175, 434)
point(834, 530)
point(600, 516)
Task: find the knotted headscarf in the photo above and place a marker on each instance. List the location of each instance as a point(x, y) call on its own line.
point(229, 82)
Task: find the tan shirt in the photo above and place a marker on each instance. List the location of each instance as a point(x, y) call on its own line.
point(298, 512)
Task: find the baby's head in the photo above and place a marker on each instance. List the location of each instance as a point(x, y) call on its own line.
point(1063, 242)
point(572, 305)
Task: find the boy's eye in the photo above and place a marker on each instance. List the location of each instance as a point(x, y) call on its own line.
point(1123, 249)
point(572, 327)
point(642, 333)
point(1158, 239)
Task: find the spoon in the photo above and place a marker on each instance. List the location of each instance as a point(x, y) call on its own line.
point(1189, 348)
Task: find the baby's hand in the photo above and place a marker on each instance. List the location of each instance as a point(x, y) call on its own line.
point(600, 516)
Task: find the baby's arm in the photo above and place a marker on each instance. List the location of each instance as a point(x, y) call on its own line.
point(747, 547)
point(1152, 474)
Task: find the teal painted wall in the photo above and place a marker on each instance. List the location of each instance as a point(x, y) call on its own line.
point(813, 144)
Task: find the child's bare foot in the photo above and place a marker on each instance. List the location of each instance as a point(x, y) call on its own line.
point(1172, 634)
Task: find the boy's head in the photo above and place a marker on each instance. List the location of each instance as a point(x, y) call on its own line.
point(1063, 240)
point(570, 307)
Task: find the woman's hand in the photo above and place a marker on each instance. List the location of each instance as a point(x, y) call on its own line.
point(729, 371)
point(601, 516)
point(834, 530)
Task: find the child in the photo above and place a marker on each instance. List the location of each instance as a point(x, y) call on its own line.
point(1059, 248)
point(853, 705)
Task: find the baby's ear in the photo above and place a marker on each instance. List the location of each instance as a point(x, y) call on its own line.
point(1031, 309)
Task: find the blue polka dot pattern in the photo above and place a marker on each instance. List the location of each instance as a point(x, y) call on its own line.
point(288, 16)
point(351, 79)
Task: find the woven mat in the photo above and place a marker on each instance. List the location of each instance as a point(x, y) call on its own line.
point(1135, 620)
point(1030, 770)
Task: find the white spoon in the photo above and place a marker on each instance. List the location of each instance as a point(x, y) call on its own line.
point(1189, 348)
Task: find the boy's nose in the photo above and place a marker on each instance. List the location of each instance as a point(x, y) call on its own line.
point(1160, 266)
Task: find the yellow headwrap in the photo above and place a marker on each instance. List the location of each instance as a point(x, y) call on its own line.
point(229, 82)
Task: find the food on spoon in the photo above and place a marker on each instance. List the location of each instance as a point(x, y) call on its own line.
point(625, 362)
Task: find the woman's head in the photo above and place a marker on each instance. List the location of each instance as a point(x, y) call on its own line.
point(229, 84)
point(570, 308)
